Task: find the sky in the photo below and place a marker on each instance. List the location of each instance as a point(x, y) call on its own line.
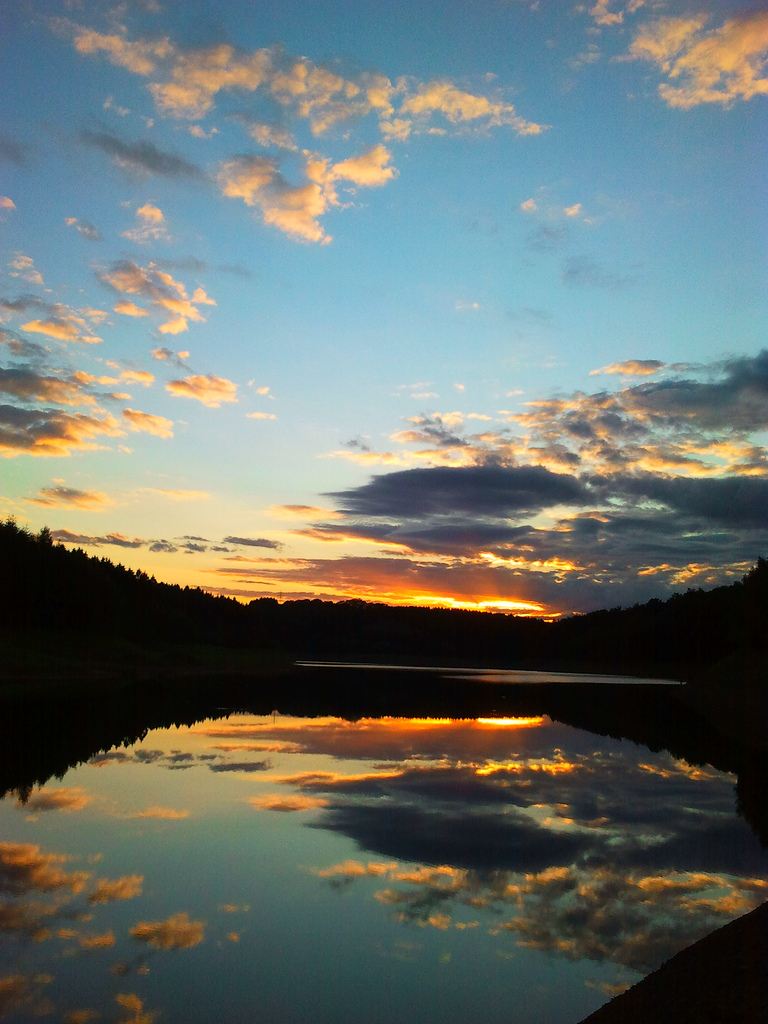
point(440, 303)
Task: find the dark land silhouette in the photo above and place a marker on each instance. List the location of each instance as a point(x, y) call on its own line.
point(69, 608)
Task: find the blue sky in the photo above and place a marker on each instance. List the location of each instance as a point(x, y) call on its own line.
point(436, 303)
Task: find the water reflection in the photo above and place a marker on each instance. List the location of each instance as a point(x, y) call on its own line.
point(500, 868)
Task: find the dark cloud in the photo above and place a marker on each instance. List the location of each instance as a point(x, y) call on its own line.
point(253, 542)
point(50, 431)
point(163, 546)
point(26, 385)
point(482, 842)
point(732, 502)
point(236, 269)
point(547, 238)
point(739, 402)
point(115, 539)
point(475, 490)
point(241, 766)
point(21, 348)
point(14, 152)
point(25, 302)
point(142, 156)
point(584, 272)
point(191, 263)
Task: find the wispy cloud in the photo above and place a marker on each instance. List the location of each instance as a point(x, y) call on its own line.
point(142, 157)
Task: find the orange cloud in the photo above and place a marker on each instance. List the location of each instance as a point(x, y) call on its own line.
point(458, 106)
point(210, 390)
point(631, 368)
point(368, 169)
point(147, 422)
point(139, 57)
point(124, 888)
point(162, 290)
point(105, 941)
point(278, 802)
point(63, 799)
point(58, 329)
point(162, 812)
point(128, 308)
point(177, 932)
point(23, 868)
point(719, 66)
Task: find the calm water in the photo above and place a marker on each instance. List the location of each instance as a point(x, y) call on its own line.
point(275, 869)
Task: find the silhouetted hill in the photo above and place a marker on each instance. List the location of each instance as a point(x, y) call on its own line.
point(49, 588)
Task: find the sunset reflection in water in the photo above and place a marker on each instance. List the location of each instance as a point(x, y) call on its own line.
point(285, 869)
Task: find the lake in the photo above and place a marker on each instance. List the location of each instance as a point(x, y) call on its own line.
point(276, 868)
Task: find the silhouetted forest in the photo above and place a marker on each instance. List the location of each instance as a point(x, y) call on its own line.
point(49, 587)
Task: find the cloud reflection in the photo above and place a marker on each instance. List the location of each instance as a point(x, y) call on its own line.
point(177, 932)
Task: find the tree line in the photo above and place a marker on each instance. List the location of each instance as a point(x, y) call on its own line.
point(49, 587)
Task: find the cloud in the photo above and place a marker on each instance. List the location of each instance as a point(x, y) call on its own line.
point(24, 869)
point(142, 157)
point(117, 539)
point(124, 888)
point(604, 16)
point(71, 497)
point(631, 368)
point(59, 329)
point(210, 390)
point(474, 490)
point(177, 495)
point(292, 209)
point(162, 290)
point(84, 228)
point(280, 802)
point(104, 941)
point(176, 932)
point(268, 135)
point(24, 267)
point(253, 542)
point(51, 432)
point(582, 271)
point(147, 422)
point(139, 57)
point(12, 151)
point(128, 308)
point(260, 416)
point(457, 106)
point(167, 813)
point(26, 385)
point(241, 766)
point(151, 226)
point(63, 799)
point(721, 65)
point(370, 168)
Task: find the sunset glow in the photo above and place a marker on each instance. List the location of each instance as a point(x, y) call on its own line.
point(314, 301)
